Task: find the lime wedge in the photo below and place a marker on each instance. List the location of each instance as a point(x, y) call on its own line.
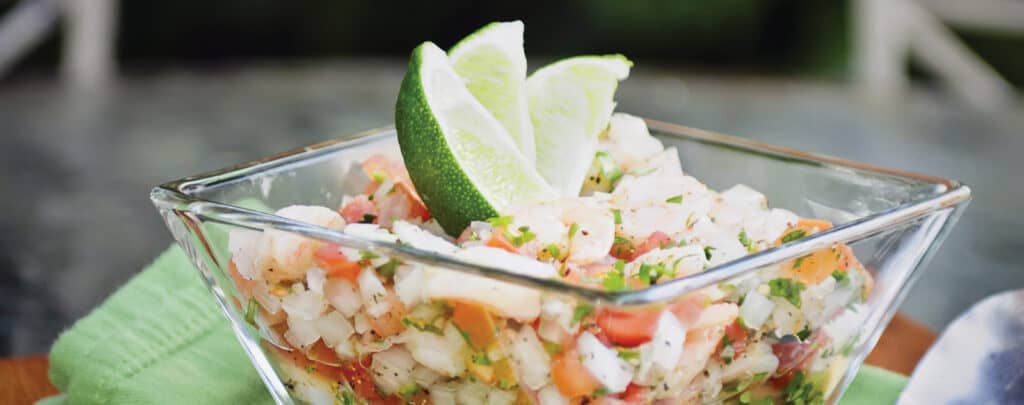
point(570, 104)
point(462, 161)
point(492, 64)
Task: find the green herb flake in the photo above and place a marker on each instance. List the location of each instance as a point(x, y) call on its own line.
point(367, 255)
point(409, 390)
point(746, 242)
point(614, 281)
point(310, 369)
point(581, 311)
point(524, 236)
point(800, 260)
point(618, 215)
point(804, 334)
point(600, 392)
point(573, 229)
point(842, 278)
point(250, 311)
point(388, 269)
point(426, 327)
point(802, 392)
point(552, 348)
point(620, 265)
point(628, 355)
point(501, 221)
point(793, 235)
point(787, 289)
point(708, 250)
point(554, 251)
point(678, 199)
point(368, 219)
point(481, 359)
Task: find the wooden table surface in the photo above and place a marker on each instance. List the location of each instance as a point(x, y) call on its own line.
point(23, 380)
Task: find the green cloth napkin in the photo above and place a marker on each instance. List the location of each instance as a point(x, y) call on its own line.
point(161, 339)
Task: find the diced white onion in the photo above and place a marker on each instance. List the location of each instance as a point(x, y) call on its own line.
point(662, 353)
point(550, 395)
point(756, 309)
point(334, 329)
point(304, 304)
point(471, 392)
point(603, 363)
point(409, 284)
point(343, 296)
point(530, 358)
point(361, 323)
point(315, 279)
point(501, 397)
point(244, 246)
point(373, 293)
point(424, 376)
point(757, 359)
point(443, 354)
point(392, 369)
point(443, 393)
point(301, 332)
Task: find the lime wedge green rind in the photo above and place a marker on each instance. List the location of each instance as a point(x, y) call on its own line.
point(463, 163)
point(492, 63)
point(570, 103)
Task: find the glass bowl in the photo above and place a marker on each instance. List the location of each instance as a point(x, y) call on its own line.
point(893, 221)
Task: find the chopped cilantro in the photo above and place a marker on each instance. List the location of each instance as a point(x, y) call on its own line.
point(600, 392)
point(481, 359)
point(425, 327)
point(707, 251)
point(620, 265)
point(367, 255)
point(379, 176)
point(760, 376)
point(800, 260)
point(615, 280)
point(524, 236)
point(746, 242)
point(628, 355)
point(678, 199)
point(788, 289)
point(250, 311)
point(581, 311)
point(618, 215)
point(650, 273)
point(368, 219)
point(802, 392)
point(842, 278)
point(554, 251)
point(347, 397)
point(388, 269)
point(552, 348)
point(504, 220)
point(409, 390)
point(805, 333)
point(794, 235)
point(310, 369)
point(573, 229)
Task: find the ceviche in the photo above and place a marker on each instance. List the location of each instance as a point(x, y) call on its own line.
point(360, 327)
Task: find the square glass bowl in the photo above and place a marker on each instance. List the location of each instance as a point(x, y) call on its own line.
point(893, 221)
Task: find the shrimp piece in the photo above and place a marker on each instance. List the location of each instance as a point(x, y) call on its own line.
point(595, 234)
point(702, 341)
point(286, 256)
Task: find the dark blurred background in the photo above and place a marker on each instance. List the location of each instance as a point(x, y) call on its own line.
point(90, 122)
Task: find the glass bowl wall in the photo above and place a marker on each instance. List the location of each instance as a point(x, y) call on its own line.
point(892, 220)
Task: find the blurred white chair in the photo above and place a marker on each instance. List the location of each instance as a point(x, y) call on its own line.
point(889, 32)
point(87, 58)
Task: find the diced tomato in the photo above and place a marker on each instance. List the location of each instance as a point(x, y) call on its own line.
point(476, 322)
point(656, 240)
point(330, 258)
point(635, 394)
point(623, 248)
point(359, 209)
point(628, 328)
point(569, 375)
point(498, 240)
point(390, 323)
point(632, 328)
point(737, 334)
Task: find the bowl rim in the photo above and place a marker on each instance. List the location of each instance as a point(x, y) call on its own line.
point(179, 196)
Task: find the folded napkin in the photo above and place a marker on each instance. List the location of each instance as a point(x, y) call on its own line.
point(161, 339)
